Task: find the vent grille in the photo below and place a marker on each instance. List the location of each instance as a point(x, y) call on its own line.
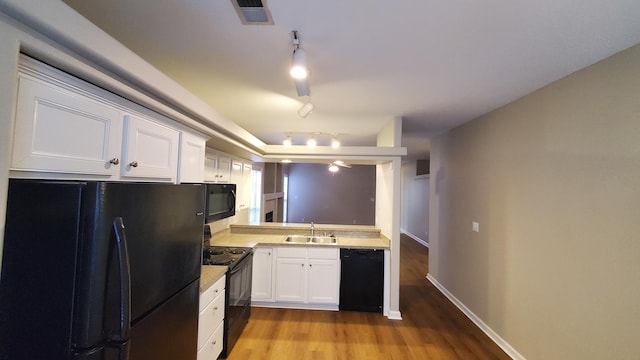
point(253, 12)
point(250, 3)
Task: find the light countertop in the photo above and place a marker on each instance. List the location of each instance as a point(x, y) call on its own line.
point(210, 274)
point(270, 234)
point(348, 236)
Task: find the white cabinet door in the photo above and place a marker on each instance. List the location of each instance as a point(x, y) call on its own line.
point(57, 130)
point(210, 167)
point(245, 194)
point(262, 281)
point(192, 149)
point(236, 178)
point(290, 280)
point(151, 150)
point(217, 167)
point(224, 168)
point(323, 281)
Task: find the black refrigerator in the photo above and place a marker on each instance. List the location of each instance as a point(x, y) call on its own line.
point(101, 271)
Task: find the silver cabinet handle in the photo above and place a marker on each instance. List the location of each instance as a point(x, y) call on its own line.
point(114, 161)
point(133, 164)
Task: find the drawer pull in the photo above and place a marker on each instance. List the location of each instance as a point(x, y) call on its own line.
point(114, 161)
point(213, 342)
point(133, 164)
point(215, 308)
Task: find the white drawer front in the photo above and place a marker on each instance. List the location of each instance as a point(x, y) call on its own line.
point(210, 294)
point(210, 318)
point(213, 345)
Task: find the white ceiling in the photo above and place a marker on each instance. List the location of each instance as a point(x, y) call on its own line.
point(436, 64)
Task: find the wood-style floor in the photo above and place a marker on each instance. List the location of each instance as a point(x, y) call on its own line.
point(432, 327)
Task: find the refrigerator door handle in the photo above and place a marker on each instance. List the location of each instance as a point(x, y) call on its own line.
point(125, 282)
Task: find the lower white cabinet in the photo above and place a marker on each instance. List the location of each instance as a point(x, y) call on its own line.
point(212, 346)
point(262, 277)
point(307, 275)
point(210, 321)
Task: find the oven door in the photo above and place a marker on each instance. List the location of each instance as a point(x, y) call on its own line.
point(239, 300)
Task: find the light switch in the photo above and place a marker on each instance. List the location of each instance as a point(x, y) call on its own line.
point(475, 226)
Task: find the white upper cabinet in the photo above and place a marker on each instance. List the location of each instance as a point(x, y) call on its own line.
point(192, 150)
point(67, 128)
point(245, 186)
point(150, 149)
point(224, 168)
point(57, 130)
point(217, 167)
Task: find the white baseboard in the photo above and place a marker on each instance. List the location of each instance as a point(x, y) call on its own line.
point(394, 315)
point(502, 343)
point(300, 306)
point(423, 242)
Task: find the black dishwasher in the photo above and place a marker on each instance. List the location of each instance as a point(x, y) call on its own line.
point(361, 279)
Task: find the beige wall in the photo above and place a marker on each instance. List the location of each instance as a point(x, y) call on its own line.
point(554, 181)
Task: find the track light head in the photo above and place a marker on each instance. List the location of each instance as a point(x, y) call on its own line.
point(305, 110)
point(312, 142)
point(299, 68)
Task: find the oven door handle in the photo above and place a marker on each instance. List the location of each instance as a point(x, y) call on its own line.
point(238, 267)
point(235, 270)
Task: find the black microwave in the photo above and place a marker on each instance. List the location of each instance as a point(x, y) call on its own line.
point(221, 201)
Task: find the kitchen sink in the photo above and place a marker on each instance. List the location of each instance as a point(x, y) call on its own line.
point(324, 239)
point(306, 239)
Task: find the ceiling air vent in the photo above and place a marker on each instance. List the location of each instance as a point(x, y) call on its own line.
point(253, 12)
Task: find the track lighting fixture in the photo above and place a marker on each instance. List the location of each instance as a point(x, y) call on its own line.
point(305, 110)
point(311, 140)
point(299, 68)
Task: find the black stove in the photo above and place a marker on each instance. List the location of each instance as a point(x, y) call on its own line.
point(222, 255)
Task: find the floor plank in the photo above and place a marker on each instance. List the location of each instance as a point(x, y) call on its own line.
point(432, 327)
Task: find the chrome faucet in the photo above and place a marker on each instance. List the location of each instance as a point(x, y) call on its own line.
point(313, 230)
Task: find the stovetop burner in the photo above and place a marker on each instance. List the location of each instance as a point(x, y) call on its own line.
point(216, 251)
point(220, 255)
